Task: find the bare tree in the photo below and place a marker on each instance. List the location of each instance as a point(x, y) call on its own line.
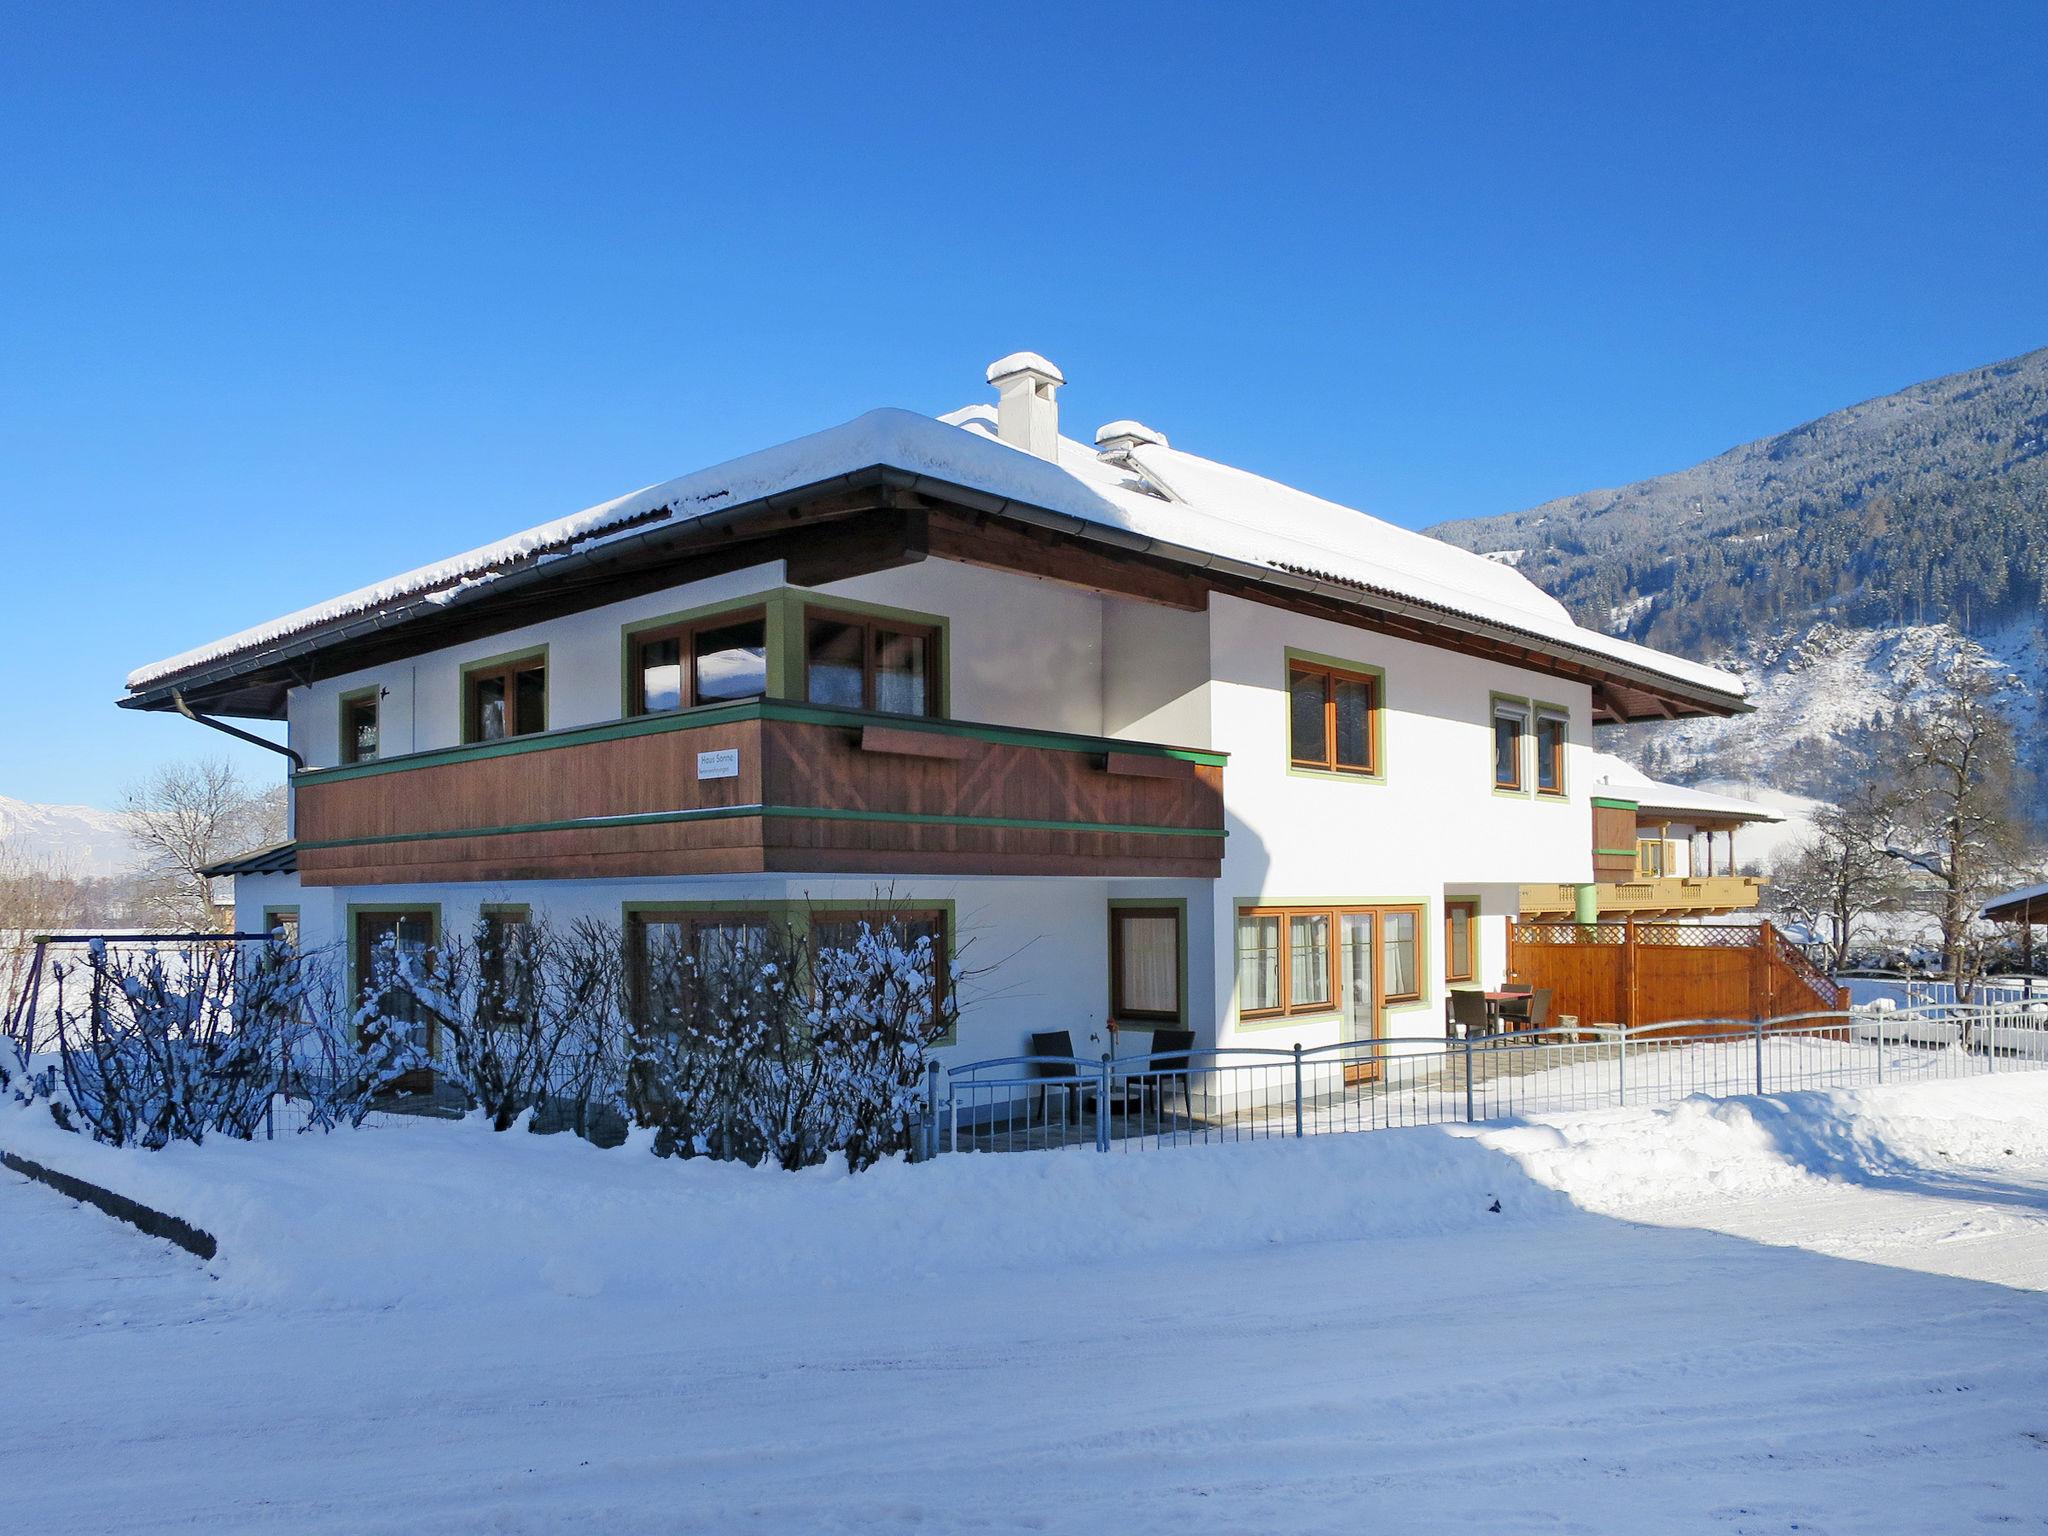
point(36, 897)
point(188, 815)
point(1836, 876)
point(1951, 821)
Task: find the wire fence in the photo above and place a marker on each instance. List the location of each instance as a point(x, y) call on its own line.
point(1229, 1093)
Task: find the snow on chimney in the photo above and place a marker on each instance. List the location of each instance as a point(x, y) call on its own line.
point(1027, 415)
point(1122, 436)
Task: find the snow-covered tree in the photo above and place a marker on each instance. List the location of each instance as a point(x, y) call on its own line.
point(1836, 877)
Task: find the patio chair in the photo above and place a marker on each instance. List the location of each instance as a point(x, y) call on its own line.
point(1469, 1017)
point(1169, 1066)
point(1059, 1042)
point(1534, 1015)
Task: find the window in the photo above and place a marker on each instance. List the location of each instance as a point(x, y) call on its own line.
point(1400, 967)
point(507, 698)
point(1650, 853)
point(904, 926)
point(706, 661)
point(1333, 718)
point(1144, 963)
point(1551, 731)
point(505, 972)
point(284, 922)
point(1459, 920)
point(405, 937)
point(667, 952)
point(359, 726)
point(1287, 958)
point(1509, 723)
point(864, 663)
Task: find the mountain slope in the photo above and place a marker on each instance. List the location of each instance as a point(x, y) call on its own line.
point(77, 840)
point(1835, 566)
point(1919, 506)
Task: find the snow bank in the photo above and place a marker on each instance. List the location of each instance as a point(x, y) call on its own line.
point(453, 1211)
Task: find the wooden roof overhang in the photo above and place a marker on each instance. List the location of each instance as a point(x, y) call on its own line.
point(2029, 907)
point(876, 519)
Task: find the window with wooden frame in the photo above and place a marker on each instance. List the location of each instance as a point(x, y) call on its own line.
point(1145, 964)
point(666, 953)
point(1510, 725)
point(1650, 859)
point(359, 725)
point(700, 661)
point(1552, 730)
point(859, 661)
point(1333, 718)
point(838, 930)
point(505, 970)
point(505, 698)
point(1400, 954)
point(1461, 940)
point(1286, 961)
point(1287, 957)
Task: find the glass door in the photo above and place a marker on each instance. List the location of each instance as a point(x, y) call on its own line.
point(1360, 987)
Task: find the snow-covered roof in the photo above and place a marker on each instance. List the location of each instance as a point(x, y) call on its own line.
point(1164, 499)
point(1628, 782)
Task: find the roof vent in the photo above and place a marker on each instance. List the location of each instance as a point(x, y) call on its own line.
point(1123, 436)
point(1027, 415)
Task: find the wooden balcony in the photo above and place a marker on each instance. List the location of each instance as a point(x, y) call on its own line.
point(765, 785)
point(1665, 896)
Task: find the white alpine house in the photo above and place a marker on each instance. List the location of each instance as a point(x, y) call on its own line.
point(1136, 736)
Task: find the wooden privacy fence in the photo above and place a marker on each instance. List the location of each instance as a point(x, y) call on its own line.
point(1644, 973)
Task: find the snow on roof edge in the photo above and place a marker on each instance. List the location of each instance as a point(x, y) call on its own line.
point(908, 441)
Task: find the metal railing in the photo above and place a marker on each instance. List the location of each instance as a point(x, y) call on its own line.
point(1240, 1093)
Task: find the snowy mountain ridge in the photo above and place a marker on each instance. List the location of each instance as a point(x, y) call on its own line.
point(78, 840)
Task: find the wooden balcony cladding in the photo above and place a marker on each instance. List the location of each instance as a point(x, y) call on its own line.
point(1665, 896)
point(806, 789)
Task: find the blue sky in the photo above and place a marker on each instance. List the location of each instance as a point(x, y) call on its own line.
point(292, 298)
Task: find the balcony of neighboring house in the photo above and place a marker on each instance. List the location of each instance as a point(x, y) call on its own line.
point(1659, 851)
point(764, 784)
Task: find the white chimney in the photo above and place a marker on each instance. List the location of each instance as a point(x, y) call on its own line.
point(1122, 436)
point(1027, 415)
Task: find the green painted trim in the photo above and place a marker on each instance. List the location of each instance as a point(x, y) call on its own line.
point(1617, 805)
point(753, 709)
point(374, 691)
point(504, 659)
point(1523, 767)
point(809, 598)
point(800, 812)
point(505, 909)
point(1617, 853)
point(272, 914)
point(1378, 772)
point(1180, 905)
point(767, 600)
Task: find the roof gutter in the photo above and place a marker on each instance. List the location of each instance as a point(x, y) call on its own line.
point(178, 703)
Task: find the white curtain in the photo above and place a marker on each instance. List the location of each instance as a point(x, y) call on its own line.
point(1149, 979)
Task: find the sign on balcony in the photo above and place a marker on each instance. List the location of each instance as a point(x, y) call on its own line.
point(723, 764)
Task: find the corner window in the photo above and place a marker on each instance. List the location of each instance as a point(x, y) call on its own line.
point(1460, 921)
point(502, 699)
point(1510, 724)
point(709, 661)
point(1333, 718)
point(1144, 964)
point(359, 726)
point(1551, 731)
point(866, 663)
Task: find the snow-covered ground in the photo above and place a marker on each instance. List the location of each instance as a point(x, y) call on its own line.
point(1822, 1311)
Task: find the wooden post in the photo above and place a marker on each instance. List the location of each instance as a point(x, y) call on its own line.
point(1628, 972)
